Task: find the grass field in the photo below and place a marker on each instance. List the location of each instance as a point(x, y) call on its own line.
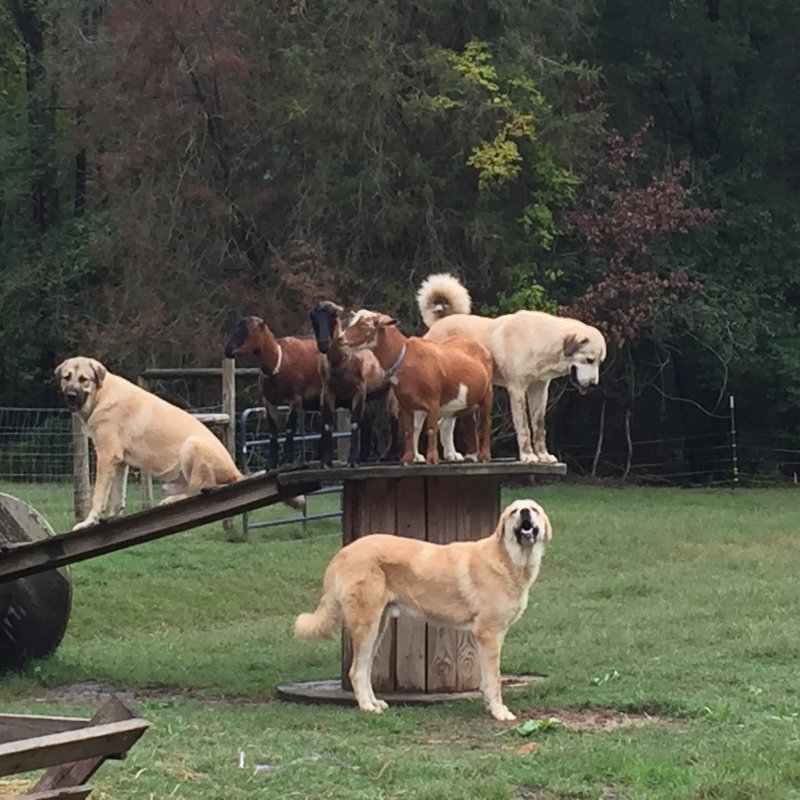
point(681, 605)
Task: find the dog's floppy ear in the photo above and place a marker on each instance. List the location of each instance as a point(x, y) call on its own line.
point(572, 344)
point(58, 371)
point(99, 372)
point(548, 528)
point(501, 524)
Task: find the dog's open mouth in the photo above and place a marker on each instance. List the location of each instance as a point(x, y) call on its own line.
point(526, 532)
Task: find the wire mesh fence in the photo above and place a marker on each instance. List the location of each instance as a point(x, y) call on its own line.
point(36, 460)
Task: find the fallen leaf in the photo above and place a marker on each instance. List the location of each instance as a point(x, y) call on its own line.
point(379, 774)
point(527, 749)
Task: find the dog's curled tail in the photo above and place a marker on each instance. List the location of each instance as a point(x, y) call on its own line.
point(441, 295)
point(321, 622)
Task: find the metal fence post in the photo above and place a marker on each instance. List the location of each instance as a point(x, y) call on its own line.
point(734, 460)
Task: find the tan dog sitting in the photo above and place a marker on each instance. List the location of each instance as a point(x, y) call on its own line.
point(479, 586)
point(131, 427)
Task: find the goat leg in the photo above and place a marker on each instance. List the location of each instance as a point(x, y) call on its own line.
point(366, 433)
point(272, 427)
point(356, 418)
point(328, 424)
point(291, 428)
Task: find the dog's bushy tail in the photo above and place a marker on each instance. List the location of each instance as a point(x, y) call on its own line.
point(441, 295)
point(321, 622)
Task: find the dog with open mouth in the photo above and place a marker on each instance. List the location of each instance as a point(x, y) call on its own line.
point(478, 586)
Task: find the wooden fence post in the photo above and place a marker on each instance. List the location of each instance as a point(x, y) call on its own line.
point(229, 403)
point(80, 469)
point(229, 434)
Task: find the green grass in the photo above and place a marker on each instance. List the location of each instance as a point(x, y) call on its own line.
point(690, 596)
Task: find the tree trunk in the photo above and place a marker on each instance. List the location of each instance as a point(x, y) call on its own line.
point(41, 100)
point(600, 435)
point(629, 443)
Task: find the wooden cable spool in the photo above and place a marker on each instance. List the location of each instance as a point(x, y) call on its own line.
point(34, 611)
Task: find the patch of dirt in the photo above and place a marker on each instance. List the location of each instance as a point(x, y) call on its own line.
point(540, 793)
point(595, 720)
point(89, 692)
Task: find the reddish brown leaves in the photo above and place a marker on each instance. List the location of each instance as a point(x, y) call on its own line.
point(626, 216)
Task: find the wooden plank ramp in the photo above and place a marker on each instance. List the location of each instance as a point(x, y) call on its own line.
point(106, 537)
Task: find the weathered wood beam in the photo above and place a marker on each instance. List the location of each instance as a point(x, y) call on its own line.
point(115, 709)
point(153, 523)
point(25, 726)
point(93, 741)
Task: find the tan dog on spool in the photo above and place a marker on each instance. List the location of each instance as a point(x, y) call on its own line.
point(131, 427)
point(529, 348)
point(481, 587)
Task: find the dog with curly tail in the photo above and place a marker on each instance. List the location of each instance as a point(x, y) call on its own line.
point(529, 348)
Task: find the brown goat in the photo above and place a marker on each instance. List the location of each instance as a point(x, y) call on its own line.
point(430, 379)
point(347, 376)
point(289, 374)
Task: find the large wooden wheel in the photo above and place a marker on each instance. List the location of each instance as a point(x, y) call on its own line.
point(34, 611)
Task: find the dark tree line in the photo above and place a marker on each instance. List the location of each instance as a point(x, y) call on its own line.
point(166, 167)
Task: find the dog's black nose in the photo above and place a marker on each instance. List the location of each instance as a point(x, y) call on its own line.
point(72, 397)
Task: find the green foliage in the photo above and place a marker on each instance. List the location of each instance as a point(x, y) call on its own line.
point(290, 151)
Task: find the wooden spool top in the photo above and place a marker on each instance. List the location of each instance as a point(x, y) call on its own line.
point(499, 467)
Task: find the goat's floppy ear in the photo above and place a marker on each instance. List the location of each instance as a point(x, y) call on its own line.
point(99, 372)
point(572, 344)
point(384, 321)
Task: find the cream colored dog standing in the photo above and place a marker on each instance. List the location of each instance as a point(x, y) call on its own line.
point(479, 586)
point(131, 427)
point(529, 348)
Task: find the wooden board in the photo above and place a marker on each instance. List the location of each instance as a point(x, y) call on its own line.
point(115, 709)
point(67, 793)
point(56, 748)
point(410, 634)
point(369, 508)
point(341, 472)
point(106, 537)
point(26, 726)
point(332, 691)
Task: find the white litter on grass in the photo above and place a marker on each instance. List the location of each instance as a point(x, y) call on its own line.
point(302, 760)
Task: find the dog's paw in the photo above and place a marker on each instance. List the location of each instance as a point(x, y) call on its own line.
point(454, 456)
point(502, 714)
point(419, 459)
point(547, 458)
point(529, 458)
point(172, 498)
point(373, 708)
point(87, 523)
point(381, 704)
